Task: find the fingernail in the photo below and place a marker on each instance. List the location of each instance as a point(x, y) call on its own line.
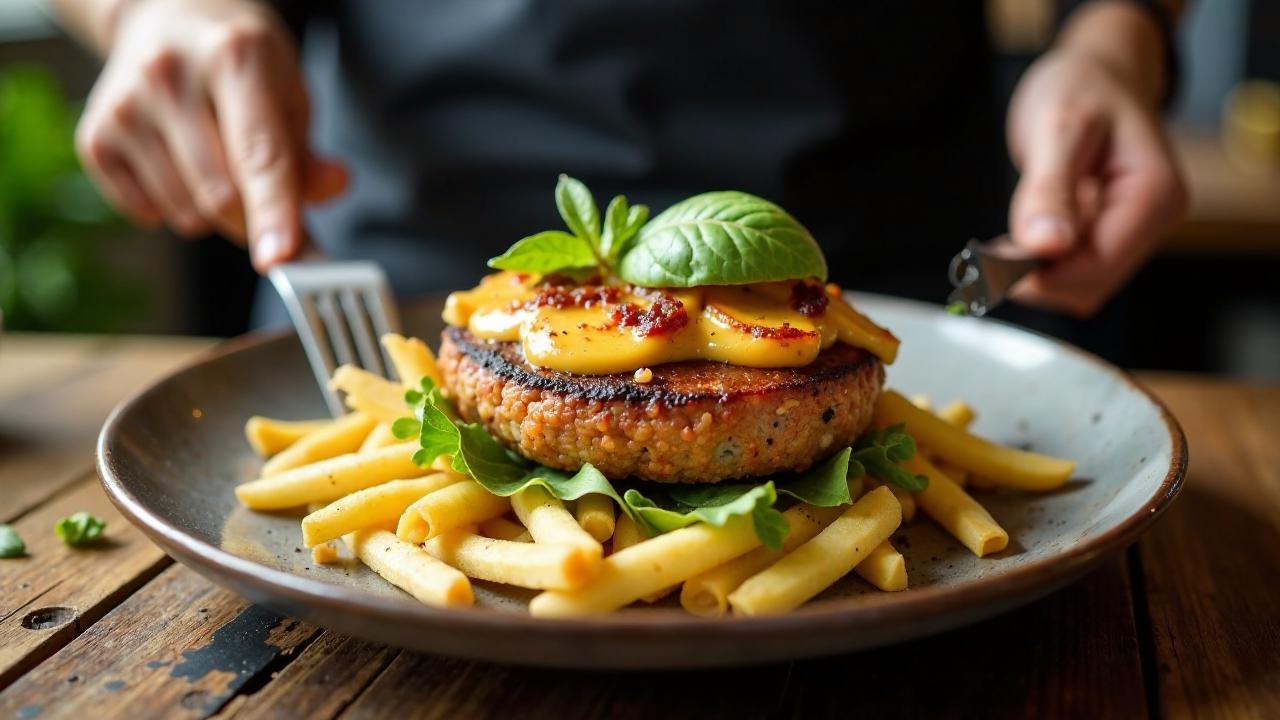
point(267, 249)
point(1049, 232)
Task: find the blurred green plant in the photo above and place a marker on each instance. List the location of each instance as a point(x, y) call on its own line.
point(55, 229)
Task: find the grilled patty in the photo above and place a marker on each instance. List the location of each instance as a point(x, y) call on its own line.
point(694, 422)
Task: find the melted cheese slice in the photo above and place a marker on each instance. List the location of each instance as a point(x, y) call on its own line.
point(748, 325)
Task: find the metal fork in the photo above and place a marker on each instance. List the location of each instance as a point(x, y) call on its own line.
point(983, 273)
point(339, 309)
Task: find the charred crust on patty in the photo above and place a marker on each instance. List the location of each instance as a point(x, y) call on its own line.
point(673, 384)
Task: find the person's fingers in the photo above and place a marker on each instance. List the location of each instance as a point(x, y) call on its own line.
point(1044, 215)
point(260, 152)
point(1141, 197)
point(152, 164)
point(323, 179)
point(109, 170)
point(190, 131)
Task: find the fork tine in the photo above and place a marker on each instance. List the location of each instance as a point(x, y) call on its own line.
point(317, 349)
point(337, 307)
point(362, 333)
point(382, 311)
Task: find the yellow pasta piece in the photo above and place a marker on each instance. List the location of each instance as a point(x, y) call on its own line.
point(906, 498)
point(378, 505)
point(854, 328)
point(626, 533)
point(325, 554)
point(957, 413)
point(411, 569)
point(530, 565)
point(829, 556)
point(465, 502)
point(954, 510)
point(549, 522)
point(1007, 466)
point(501, 528)
point(595, 515)
point(921, 401)
point(380, 437)
point(339, 437)
point(371, 394)
point(268, 436)
point(650, 566)
point(884, 567)
point(412, 360)
point(328, 480)
point(708, 594)
point(958, 475)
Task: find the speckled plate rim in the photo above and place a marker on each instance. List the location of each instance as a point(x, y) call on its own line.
point(930, 606)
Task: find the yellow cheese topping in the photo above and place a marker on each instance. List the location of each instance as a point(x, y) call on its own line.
point(596, 330)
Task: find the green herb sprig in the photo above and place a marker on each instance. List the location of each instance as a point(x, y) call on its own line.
point(11, 545)
point(79, 529)
point(716, 238)
point(588, 246)
point(658, 509)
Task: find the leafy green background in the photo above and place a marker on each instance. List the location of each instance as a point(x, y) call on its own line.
point(56, 233)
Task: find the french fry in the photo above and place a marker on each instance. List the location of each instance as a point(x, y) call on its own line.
point(594, 513)
point(829, 556)
point(708, 594)
point(379, 437)
point(412, 360)
point(500, 528)
point(378, 505)
point(523, 564)
point(374, 395)
point(650, 566)
point(956, 512)
point(1007, 466)
point(411, 569)
point(339, 437)
point(268, 436)
point(549, 522)
point(465, 502)
point(328, 480)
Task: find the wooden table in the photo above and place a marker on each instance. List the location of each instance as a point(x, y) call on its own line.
point(1186, 623)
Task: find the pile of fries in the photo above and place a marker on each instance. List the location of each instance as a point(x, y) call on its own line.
point(430, 530)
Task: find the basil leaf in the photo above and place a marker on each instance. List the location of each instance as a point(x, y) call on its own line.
point(578, 209)
point(11, 546)
point(546, 252)
point(721, 238)
point(825, 484)
point(621, 223)
point(79, 529)
point(879, 452)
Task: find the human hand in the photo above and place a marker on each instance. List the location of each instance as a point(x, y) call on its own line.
point(199, 120)
point(1099, 185)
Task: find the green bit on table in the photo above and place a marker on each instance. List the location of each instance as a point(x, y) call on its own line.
point(958, 308)
point(11, 546)
point(79, 529)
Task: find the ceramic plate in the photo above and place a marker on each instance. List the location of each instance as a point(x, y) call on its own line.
point(171, 456)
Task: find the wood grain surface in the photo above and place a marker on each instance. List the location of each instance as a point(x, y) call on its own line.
point(1185, 624)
